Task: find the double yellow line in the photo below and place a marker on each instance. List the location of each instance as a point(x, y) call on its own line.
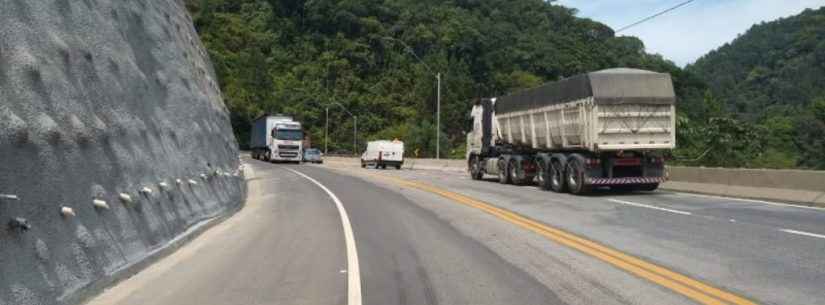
point(679, 283)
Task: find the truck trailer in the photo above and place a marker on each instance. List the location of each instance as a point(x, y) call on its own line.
point(276, 138)
point(609, 128)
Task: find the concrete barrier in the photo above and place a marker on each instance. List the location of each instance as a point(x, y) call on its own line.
point(115, 144)
point(798, 186)
point(795, 186)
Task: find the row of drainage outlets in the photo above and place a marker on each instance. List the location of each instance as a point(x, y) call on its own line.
point(21, 224)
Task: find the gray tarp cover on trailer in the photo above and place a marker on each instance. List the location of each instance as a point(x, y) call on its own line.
point(612, 86)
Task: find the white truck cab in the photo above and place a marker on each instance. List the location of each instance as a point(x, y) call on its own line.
point(277, 138)
point(383, 153)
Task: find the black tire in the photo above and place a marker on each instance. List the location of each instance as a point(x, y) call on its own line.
point(503, 173)
point(475, 168)
point(575, 178)
point(543, 175)
point(363, 165)
point(398, 167)
point(266, 156)
point(558, 183)
point(512, 170)
point(648, 187)
point(383, 166)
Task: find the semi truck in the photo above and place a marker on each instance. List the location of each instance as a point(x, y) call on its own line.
point(276, 138)
point(609, 128)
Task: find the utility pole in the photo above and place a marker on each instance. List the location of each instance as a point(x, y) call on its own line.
point(326, 132)
point(354, 126)
point(355, 136)
point(438, 103)
point(438, 119)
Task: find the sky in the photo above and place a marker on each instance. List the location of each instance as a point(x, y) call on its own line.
point(691, 31)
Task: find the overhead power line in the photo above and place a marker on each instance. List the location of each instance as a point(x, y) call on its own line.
point(655, 15)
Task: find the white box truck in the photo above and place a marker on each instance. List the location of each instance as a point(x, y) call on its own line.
point(606, 128)
point(383, 153)
point(276, 138)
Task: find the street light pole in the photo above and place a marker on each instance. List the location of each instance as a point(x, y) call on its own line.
point(438, 120)
point(438, 102)
point(355, 136)
point(354, 126)
point(326, 132)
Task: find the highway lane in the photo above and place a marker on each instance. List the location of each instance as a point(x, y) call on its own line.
point(414, 246)
point(284, 247)
point(287, 246)
point(756, 250)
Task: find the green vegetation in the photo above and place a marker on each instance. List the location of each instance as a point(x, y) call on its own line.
point(771, 80)
point(379, 58)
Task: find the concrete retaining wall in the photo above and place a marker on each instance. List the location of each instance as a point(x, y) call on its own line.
point(797, 186)
point(104, 106)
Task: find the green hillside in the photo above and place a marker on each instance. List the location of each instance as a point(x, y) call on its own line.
point(296, 57)
point(774, 77)
point(378, 59)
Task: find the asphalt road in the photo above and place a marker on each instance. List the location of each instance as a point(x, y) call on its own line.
point(418, 246)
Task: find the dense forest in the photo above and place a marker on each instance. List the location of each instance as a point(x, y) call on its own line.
point(773, 79)
point(378, 59)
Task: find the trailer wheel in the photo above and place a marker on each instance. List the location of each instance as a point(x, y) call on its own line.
point(557, 181)
point(575, 177)
point(513, 169)
point(475, 168)
point(544, 175)
point(398, 166)
point(503, 172)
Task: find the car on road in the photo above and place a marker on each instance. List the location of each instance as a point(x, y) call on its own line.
point(383, 153)
point(313, 155)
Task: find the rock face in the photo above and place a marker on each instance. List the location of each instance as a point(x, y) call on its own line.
point(111, 109)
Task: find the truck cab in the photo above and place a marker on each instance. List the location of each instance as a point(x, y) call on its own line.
point(287, 142)
point(277, 138)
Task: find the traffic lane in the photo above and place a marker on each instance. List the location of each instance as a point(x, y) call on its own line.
point(755, 261)
point(284, 247)
point(773, 215)
point(575, 277)
point(777, 216)
point(409, 255)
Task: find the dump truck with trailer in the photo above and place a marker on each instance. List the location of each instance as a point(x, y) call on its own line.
point(276, 138)
point(609, 128)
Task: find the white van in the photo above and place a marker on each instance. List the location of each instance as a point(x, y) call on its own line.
point(383, 153)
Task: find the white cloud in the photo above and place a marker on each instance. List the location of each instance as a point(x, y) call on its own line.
point(686, 34)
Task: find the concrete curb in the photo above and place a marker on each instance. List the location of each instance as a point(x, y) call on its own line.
point(86, 294)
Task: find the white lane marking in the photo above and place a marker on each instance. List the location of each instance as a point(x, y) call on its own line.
point(353, 271)
point(803, 233)
point(649, 206)
point(784, 205)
